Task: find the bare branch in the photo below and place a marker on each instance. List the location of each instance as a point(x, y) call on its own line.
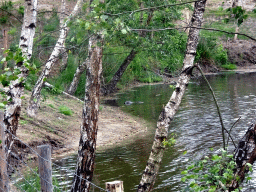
point(208, 29)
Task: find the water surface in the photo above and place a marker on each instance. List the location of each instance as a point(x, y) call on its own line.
point(196, 126)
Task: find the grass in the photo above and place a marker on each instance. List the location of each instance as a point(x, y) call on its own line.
point(32, 183)
point(23, 122)
point(51, 105)
point(229, 66)
point(65, 110)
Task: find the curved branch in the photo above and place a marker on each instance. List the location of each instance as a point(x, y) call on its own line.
point(216, 103)
point(11, 14)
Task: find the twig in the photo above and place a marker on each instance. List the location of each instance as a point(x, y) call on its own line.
point(73, 97)
point(232, 128)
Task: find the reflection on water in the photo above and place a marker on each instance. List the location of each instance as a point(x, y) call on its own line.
point(196, 125)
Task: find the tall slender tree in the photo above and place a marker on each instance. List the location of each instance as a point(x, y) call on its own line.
point(89, 128)
point(16, 87)
point(36, 93)
point(168, 112)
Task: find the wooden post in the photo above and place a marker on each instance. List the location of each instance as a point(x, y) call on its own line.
point(3, 166)
point(115, 186)
point(45, 167)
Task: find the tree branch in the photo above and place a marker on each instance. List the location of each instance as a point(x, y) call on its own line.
point(11, 14)
point(208, 29)
point(216, 103)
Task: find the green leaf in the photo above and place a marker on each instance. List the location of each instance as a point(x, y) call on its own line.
point(184, 172)
point(185, 152)
point(104, 17)
point(124, 31)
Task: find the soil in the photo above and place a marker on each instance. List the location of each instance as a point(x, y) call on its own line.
point(62, 132)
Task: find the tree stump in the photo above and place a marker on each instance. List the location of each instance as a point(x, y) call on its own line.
point(115, 186)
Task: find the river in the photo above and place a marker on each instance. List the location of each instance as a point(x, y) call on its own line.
point(196, 127)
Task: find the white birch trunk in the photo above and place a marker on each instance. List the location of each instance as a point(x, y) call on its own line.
point(64, 59)
point(36, 93)
point(168, 112)
point(79, 71)
point(16, 88)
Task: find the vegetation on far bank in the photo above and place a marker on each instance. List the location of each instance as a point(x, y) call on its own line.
point(160, 54)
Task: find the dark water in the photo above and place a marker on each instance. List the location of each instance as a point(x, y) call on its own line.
point(196, 126)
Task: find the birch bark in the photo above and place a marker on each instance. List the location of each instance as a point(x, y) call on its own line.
point(89, 127)
point(64, 60)
point(36, 93)
point(79, 71)
point(168, 112)
point(16, 88)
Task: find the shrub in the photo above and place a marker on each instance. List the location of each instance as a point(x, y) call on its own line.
point(212, 173)
point(65, 110)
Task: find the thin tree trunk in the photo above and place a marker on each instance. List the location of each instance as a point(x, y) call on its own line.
point(16, 88)
point(87, 144)
point(79, 71)
point(64, 60)
point(110, 87)
point(36, 93)
point(168, 112)
point(5, 37)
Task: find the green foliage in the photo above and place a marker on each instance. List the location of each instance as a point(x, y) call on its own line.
point(51, 105)
point(221, 55)
point(229, 66)
point(170, 142)
point(32, 182)
point(21, 10)
point(65, 110)
point(212, 173)
point(236, 13)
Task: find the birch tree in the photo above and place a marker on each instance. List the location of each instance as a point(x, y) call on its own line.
point(16, 88)
point(168, 112)
point(87, 144)
point(89, 127)
point(36, 93)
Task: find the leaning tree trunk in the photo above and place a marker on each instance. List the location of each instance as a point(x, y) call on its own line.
point(244, 153)
point(168, 112)
point(16, 88)
point(110, 87)
point(36, 93)
point(79, 71)
point(87, 144)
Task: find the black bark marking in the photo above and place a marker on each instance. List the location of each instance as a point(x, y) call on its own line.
point(32, 25)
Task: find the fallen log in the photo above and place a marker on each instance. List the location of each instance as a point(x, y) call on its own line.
point(244, 153)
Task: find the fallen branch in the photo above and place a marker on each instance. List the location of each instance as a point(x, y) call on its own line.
point(71, 96)
point(245, 153)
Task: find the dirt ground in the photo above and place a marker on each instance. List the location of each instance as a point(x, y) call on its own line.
point(62, 132)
